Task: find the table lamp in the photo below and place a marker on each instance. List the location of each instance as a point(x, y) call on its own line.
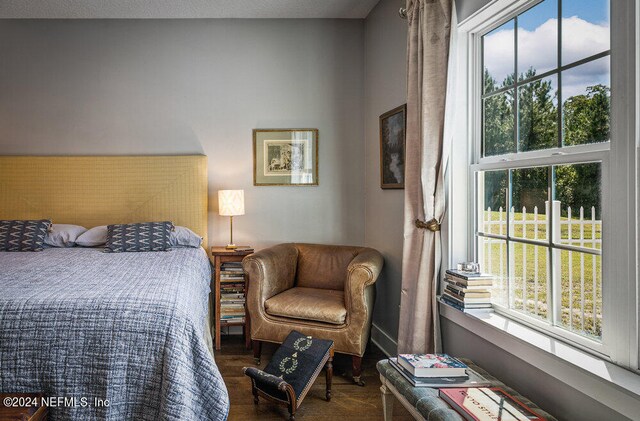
point(231, 203)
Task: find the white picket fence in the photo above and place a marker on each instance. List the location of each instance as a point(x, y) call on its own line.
point(577, 233)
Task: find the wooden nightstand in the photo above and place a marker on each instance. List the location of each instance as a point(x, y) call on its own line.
point(230, 280)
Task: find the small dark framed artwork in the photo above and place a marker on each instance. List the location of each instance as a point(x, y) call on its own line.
point(392, 145)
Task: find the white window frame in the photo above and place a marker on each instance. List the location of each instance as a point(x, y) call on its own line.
point(621, 329)
point(598, 152)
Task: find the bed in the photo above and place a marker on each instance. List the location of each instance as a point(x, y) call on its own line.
point(127, 328)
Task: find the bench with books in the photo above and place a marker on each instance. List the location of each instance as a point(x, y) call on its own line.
point(442, 388)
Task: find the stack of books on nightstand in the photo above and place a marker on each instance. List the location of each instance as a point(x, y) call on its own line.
point(467, 290)
point(232, 293)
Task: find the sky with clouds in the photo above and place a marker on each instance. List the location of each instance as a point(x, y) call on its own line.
point(585, 32)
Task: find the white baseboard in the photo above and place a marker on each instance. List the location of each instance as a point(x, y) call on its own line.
point(384, 341)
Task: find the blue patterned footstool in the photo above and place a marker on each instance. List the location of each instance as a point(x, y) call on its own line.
point(424, 403)
point(292, 370)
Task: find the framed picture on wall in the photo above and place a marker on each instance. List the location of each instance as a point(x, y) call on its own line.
point(392, 142)
point(285, 157)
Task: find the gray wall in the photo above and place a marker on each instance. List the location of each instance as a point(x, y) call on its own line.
point(385, 39)
point(198, 86)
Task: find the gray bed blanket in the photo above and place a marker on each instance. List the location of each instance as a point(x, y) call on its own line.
point(123, 327)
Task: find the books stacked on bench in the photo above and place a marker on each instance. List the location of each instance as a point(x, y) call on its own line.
point(487, 404)
point(467, 290)
point(232, 293)
point(436, 370)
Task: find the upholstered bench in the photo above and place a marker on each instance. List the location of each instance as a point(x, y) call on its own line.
point(292, 370)
point(424, 403)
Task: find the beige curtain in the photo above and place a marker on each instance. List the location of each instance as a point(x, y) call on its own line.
point(427, 61)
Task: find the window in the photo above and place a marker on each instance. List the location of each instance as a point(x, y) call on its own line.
point(541, 161)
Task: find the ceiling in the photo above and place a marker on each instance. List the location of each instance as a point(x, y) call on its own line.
point(159, 9)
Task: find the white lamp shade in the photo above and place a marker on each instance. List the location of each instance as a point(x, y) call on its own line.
point(230, 202)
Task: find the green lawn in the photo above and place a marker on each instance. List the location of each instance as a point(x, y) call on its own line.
point(529, 289)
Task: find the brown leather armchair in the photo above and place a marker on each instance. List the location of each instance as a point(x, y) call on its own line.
point(320, 290)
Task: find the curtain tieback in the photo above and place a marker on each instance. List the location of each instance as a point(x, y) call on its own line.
point(432, 225)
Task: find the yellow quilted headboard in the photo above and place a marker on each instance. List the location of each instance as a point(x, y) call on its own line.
point(102, 190)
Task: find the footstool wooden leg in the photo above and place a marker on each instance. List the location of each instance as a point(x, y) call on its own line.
point(329, 373)
point(356, 366)
point(292, 411)
point(387, 402)
point(292, 399)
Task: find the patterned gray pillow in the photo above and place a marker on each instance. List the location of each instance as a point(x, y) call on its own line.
point(23, 235)
point(144, 236)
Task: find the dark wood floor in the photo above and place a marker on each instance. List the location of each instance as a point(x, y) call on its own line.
point(348, 401)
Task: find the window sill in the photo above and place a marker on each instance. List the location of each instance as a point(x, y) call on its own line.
point(602, 380)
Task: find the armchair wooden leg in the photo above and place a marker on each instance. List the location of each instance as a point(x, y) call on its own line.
point(257, 350)
point(356, 365)
point(329, 373)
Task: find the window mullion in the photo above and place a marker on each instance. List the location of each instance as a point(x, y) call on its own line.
point(536, 159)
point(516, 135)
point(560, 122)
point(516, 128)
point(554, 270)
point(479, 150)
point(554, 71)
point(510, 263)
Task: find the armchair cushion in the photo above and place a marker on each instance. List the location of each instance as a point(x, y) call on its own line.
point(320, 305)
point(323, 266)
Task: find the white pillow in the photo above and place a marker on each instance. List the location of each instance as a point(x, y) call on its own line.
point(184, 237)
point(96, 236)
point(63, 235)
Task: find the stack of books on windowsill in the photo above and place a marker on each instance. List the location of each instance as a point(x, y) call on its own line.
point(467, 290)
point(232, 293)
point(436, 370)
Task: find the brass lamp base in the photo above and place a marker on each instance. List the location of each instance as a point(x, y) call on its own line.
point(231, 246)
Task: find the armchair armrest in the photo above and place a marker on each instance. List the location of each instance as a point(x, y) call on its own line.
point(270, 271)
point(363, 272)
